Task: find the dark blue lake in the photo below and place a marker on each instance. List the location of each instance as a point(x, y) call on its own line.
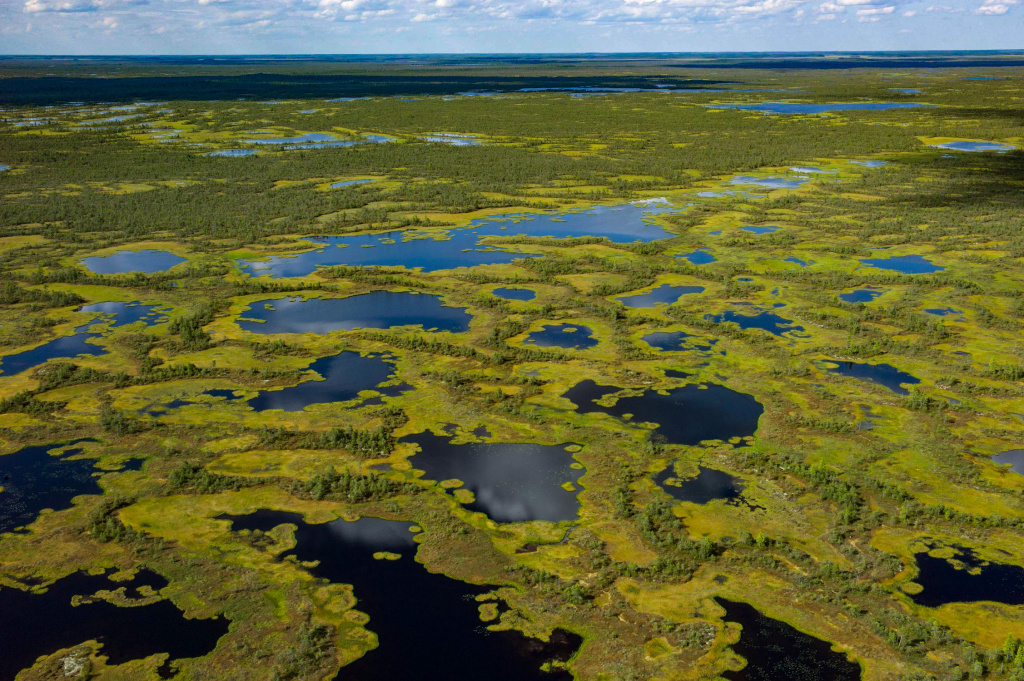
point(1013, 457)
point(945, 582)
point(685, 416)
point(562, 336)
point(522, 294)
point(975, 146)
point(759, 230)
point(883, 374)
point(765, 320)
point(775, 651)
point(511, 482)
point(413, 642)
point(905, 264)
point(146, 261)
point(861, 295)
point(678, 341)
point(769, 182)
point(666, 294)
point(698, 257)
point(708, 485)
point(797, 261)
point(798, 108)
point(341, 379)
point(944, 311)
point(33, 479)
point(233, 152)
point(350, 183)
point(113, 314)
point(35, 624)
point(375, 310)
point(465, 247)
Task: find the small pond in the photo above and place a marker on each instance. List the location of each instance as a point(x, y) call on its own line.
point(800, 108)
point(375, 310)
point(975, 146)
point(350, 183)
point(452, 139)
point(1013, 457)
point(666, 294)
point(699, 257)
point(883, 374)
point(511, 482)
point(870, 164)
point(510, 293)
point(775, 651)
point(562, 336)
point(678, 341)
point(944, 312)
point(146, 261)
point(971, 581)
point(343, 377)
point(708, 485)
point(434, 250)
point(798, 261)
point(413, 642)
point(765, 320)
point(769, 182)
point(904, 264)
point(861, 295)
point(29, 624)
point(762, 229)
point(687, 415)
point(233, 152)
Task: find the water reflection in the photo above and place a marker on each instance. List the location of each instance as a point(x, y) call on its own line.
point(510, 482)
point(708, 485)
point(375, 310)
point(146, 261)
point(687, 415)
point(666, 294)
point(562, 336)
point(35, 624)
point(966, 579)
point(883, 374)
point(419, 617)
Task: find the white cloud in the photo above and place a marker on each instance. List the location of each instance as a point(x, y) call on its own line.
point(995, 7)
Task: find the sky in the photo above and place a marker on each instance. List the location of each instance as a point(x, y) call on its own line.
point(505, 26)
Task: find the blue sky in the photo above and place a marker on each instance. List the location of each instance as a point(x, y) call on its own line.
point(417, 26)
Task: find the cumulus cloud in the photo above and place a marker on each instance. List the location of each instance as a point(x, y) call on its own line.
point(995, 7)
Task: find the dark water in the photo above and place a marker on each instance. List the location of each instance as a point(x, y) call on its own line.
point(764, 229)
point(233, 152)
point(767, 321)
point(343, 377)
point(775, 651)
point(797, 261)
point(350, 183)
point(975, 146)
point(512, 482)
point(769, 182)
point(114, 314)
point(685, 416)
point(943, 583)
point(905, 264)
point(147, 261)
point(882, 374)
point(678, 341)
point(40, 624)
point(428, 625)
point(708, 485)
point(375, 310)
point(464, 247)
point(32, 480)
point(861, 295)
point(562, 336)
point(507, 293)
point(453, 140)
point(664, 294)
point(944, 312)
point(1013, 457)
point(797, 108)
point(699, 257)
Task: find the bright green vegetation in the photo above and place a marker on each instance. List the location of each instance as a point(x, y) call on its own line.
point(836, 511)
